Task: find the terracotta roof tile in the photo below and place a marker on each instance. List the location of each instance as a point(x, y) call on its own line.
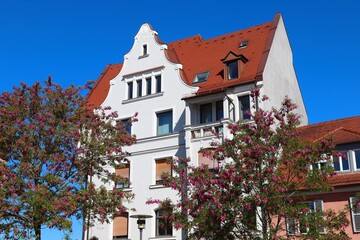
point(198, 55)
point(346, 130)
point(345, 179)
point(102, 85)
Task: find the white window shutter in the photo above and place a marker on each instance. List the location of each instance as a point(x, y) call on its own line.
point(319, 207)
point(355, 213)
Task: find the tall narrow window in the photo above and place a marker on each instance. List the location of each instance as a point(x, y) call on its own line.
point(163, 227)
point(139, 87)
point(355, 213)
point(206, 113)
point(219, 110)
point(164, 122)
point(124, 173)
point(145, 49)
point(148, 86)
point(244, 102)
point(120, 226)
point(163, 166)
point(205, 157)
point(158, 83)
point(232, 69)
point(130, 90)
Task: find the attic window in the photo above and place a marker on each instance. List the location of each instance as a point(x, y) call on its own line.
point(145, 49)
point(232, 69)
point(244, 44)
point(201, 77)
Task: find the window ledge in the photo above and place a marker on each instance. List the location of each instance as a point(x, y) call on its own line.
point(143, 56)
point(164, 238)
point(157, 186)
point(126, 189)
point(142, 98)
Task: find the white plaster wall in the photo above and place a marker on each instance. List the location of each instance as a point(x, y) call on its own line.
point(149, 146)
point(279, 75)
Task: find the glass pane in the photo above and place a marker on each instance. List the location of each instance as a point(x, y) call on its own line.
point(127, 125)
point(233, 71)
point(337, 165)
point(205, 113)
point(345, 164)
point(244, 102)
point(148, 86)
point(158, 83)
point(164, 122)
point(130, 90)
point(139, 88)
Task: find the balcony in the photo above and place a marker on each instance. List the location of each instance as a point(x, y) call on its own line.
point(205, 130)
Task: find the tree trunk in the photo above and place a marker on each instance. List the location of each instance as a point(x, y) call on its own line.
point(37, 228)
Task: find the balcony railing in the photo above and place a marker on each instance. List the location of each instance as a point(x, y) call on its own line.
point(206, 130)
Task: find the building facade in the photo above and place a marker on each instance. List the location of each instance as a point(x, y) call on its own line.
point(346, 136)
point(182, 92)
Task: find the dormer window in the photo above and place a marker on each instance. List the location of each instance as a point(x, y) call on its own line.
point(234, 65)
point(232, 69)
point(201, 77)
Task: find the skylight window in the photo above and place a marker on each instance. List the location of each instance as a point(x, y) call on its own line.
point(201, 77)
point(244, 44)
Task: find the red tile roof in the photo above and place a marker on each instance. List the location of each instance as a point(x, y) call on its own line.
point(198, 55)
point(343, 131)
point(102, 85)
point(346, 130)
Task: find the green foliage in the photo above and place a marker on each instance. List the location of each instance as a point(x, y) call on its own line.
point(52, 144)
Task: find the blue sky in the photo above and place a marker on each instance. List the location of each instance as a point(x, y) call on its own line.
point(74, 40)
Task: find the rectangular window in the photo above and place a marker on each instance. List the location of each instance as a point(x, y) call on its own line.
point(232, 69)
point(244, 102)
point(205, 157)
point(341, 163)
point(206, 113)
point(158, 83)
point(148, 86)
point(120, 226)
point(130, 90)
point(127, 125)
point(294, 226)
point(163, 166)
point(163, 227)
point(139, 87)
point(355, 213)
point(145, 49)
point(164, 122)
point(123, 172)
point(219, 110)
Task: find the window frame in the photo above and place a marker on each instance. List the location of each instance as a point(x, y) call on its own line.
point(127, 125)
point(166, 161)
point(158, 225)
point(139, 87)
point(355, 217)
point(158, 127)
point(230, 71)
point(340, 161)
point(242, 115)
point(158, 80)
point(130, 92)
point(123, 185)
point(205, 107)
point(125, 214)
point(148, 81)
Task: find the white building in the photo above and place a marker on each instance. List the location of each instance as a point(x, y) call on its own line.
point(182, 91)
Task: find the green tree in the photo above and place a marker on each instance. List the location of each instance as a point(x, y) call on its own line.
point(52, 143)
point(260, 185)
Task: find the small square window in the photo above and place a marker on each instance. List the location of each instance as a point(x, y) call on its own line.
point(164, 122)
point(127, 125)
point(232, 70)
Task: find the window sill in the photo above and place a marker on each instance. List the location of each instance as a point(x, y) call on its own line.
point(129, 189)
point(164, 237)
point(143, 56)
point(157, 186)
point(142, 98)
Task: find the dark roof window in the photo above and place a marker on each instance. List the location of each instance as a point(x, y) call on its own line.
point(201, 77)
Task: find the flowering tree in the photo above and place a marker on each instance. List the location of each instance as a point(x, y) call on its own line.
point(258, 190)
point(51, 144)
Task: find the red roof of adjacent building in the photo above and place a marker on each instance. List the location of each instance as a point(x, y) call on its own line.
point(342, 131)
point(198, 55)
